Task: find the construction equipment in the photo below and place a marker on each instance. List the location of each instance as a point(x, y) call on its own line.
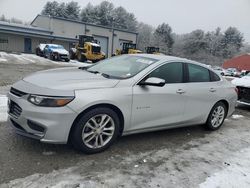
point(152, 50)
point(128, 48)
point(87, 49)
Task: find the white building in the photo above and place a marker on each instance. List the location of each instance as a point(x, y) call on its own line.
point(46, 29)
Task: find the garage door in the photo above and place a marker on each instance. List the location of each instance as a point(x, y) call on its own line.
point(103, 42)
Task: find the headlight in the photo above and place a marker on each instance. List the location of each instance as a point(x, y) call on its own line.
point(47, 101)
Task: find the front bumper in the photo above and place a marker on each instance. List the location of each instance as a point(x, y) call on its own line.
point(47, 124)
point(59, 56)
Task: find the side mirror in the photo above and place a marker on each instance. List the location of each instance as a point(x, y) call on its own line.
point(153, 81)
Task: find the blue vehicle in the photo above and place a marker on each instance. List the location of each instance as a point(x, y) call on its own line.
point(56, 52)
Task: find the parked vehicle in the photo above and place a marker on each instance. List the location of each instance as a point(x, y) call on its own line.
point(56, 52)
point(243, 86)
point(219, 70)
point(87, 49)
point(153, 50)
point(91, 107)
point(232, 72)
point(127, 48)
point(244, 73)
point(40, 49)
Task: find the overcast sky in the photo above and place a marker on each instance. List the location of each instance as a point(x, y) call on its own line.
point(182, 15)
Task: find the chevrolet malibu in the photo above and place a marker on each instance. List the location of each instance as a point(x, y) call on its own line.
point(91, 106)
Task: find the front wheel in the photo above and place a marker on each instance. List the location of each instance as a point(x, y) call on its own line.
point(216, 116)
point(81, 57)
point(95, 131)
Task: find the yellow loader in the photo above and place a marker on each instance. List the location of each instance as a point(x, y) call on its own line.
point(87, 49)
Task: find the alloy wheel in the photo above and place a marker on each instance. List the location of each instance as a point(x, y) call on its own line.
point(217, 116)
point(98, 131)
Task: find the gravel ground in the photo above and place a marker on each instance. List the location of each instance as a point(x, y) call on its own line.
point(183, 157)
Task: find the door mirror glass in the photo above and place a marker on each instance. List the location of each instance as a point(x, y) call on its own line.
point(153, 81)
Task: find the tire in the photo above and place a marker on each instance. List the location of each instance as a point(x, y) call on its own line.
point(81, 58)
point(67, 60)
point(220, 111)
point(37, 52)
point(72, 54)
point(87, 126)
point(51, 57)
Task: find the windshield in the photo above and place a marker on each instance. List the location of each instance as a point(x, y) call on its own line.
point(122, 67)
point(56, 47)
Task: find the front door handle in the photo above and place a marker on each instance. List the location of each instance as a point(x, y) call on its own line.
point(180, 91)
point(212, 89)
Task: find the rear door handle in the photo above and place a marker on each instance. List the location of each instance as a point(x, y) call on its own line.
point(212, 89)
point(180, 91)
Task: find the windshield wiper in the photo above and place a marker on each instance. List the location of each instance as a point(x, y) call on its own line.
point(83, 68)
point(105, 75)
point(94, 72)
point(97, 72)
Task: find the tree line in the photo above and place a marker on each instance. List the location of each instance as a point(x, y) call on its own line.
point(208, 47)
point(103, 14)
point(198, 45)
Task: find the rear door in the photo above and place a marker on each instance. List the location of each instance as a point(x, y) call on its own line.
point(155, 106)
point(202, 93)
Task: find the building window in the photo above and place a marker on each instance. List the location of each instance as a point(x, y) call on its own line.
point(2, 40)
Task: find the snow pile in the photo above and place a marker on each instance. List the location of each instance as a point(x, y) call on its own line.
point(3, 108)
point(2, 59)
point(235, 175)
point(32, 58)
point(236, 116)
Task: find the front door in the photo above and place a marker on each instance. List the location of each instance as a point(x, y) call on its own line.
point(155, 106)
point(27, 45)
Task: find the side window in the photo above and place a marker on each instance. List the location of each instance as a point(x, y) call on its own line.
point(214, 77)
point(198, 74)
point(170, 72)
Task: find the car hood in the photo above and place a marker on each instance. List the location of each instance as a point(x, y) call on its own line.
point(60, 51)
point(244, 81)
point(70, 79)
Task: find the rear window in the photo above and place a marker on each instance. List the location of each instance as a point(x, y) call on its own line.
point(214, 77)
point(198, 73)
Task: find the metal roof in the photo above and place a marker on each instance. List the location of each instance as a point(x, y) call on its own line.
point(81, 22)
point(20, 29)
point(24, 28)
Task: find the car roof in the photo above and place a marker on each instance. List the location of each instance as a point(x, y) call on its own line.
point(170, 58)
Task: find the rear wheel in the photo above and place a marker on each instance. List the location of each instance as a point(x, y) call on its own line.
point(216, 116)
point(51, 57)
point(81, 57)
point(95, 131)
point(71, 54)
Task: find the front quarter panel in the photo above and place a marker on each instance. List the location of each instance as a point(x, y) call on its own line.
point(119, 97)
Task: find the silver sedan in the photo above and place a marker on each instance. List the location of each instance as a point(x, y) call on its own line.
point(91, 106)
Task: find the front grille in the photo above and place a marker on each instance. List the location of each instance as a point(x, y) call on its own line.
point(17, 92)
point(63, 56)
point(14, 109)
point(96, 49)
point(244, 94)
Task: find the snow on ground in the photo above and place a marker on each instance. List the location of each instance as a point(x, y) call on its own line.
point(3, 108)
point(219, 159)
point(237, 174)
point(2, 59)
point(32, 58)
point(236, 116)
